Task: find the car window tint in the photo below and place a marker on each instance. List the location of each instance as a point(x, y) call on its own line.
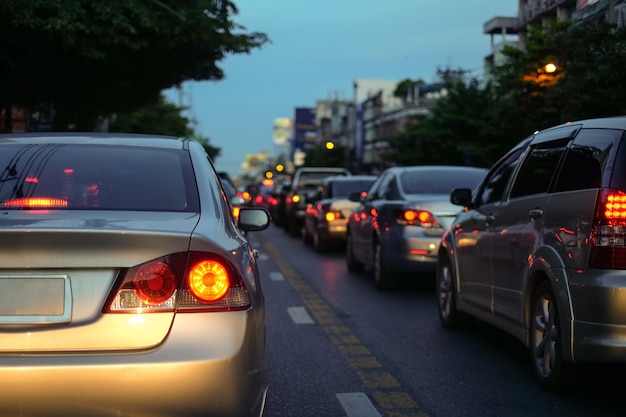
point(585, 161)
point(106, 177)
point(497, 181)
point(538, 169)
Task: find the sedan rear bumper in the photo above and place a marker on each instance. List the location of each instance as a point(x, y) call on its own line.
point(195, 372)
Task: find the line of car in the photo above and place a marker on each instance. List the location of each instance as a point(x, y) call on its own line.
point(122, 261)
point(535, 245)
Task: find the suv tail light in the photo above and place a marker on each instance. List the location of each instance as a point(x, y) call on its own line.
point(608, 237)
point(421, 218)
point(182, 282)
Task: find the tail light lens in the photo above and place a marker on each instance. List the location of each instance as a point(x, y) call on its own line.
point(183, 282)
point(35, 202)
point(421, 218)
point(608, 238)
point(332, 215)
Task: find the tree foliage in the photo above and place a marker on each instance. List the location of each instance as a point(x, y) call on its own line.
point(476, 123)
point(161, 119)
point(320, 156)
point(94, 58)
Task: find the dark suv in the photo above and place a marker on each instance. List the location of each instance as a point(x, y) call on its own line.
point(304, 190)
point(540, 248)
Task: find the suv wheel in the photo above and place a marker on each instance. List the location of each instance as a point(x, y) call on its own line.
point(545, 340)
point(449, 316)
point(352, 264)
point(383, 280)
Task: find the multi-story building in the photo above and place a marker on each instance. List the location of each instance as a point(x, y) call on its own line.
point(532, 12)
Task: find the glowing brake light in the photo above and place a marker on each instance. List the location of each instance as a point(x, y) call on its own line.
point(36, 202)
point(615, 207)
point(208, 281)
point(167, 285)
point(331, 216)
point(608, 237)
point(421, 218)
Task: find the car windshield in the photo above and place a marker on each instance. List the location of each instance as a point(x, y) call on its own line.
point(96, 178)
point(439, 181)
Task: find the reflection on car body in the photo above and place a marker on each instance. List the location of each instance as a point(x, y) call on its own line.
point(539, 248)
point(398, 225)
point(132, 289)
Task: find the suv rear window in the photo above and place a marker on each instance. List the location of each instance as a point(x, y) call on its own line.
point(96, 178)
point(586, 159)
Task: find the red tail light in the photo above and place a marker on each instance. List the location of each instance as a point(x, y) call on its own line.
point(421, 218)
point(183, 282)
point(332, 215)
point(36, 202)
point(608, 238)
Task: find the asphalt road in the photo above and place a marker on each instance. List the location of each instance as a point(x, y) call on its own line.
point(339, 347)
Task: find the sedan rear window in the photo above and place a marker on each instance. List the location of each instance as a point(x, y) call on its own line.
point(439, 181)
point(96, 178)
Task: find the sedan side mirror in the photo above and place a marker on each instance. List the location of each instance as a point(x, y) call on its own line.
point(253, 219)
point(461, 197)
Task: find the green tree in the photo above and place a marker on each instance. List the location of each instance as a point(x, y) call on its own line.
point(463, 128)
point(163, 118)
point(475, 124)
point(588, 82)
point(93, 58)
point(319, 156)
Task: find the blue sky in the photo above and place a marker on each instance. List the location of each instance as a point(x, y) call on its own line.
point(318, 48)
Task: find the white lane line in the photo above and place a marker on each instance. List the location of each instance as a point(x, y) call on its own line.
point(299, 315)
point(356, 404)
point(276, 276)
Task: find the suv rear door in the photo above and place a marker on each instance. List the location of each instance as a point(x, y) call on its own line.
point(518, 230)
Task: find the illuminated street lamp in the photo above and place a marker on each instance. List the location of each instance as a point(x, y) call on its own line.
point(545, 76)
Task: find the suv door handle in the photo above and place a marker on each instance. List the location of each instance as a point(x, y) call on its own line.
point(535, 213)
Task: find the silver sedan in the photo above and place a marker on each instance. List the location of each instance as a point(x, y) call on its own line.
point(127, 288)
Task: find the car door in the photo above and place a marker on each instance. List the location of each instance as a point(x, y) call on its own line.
point(517, 229)
point(473, 231)
point(363, 230)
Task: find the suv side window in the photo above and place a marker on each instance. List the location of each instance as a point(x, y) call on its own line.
point(538, 169)
point(497, 181)
point(586, 159)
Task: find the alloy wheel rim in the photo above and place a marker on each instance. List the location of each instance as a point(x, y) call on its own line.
point(544, 336)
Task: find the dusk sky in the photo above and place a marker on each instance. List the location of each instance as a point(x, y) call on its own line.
point(318, 48)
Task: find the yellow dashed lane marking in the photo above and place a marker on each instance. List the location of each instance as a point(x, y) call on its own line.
point(384, 387)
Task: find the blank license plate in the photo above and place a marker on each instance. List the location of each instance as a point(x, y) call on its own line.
point(35, 299)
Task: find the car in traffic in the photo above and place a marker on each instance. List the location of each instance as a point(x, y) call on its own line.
point(304, 189)
point(281, 189)
point(539, 250)
point(235, 200)
point(397, 227)
point(325, 221)
point(126, 285)
point(264, 197)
